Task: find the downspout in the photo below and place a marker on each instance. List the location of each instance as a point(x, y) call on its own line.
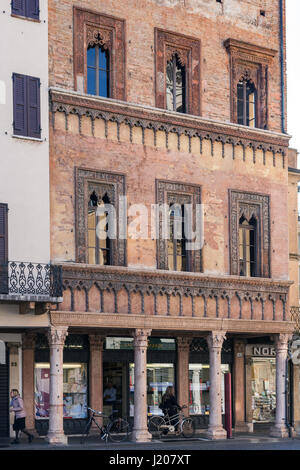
point(283, 124)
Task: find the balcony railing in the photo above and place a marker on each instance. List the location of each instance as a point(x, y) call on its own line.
point(30, 281)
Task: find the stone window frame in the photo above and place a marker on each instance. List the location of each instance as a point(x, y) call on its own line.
point(172, 192)
point(250, 62)
point(91, 28)
point(102, 182)
point(188, 51)
point(250, 204)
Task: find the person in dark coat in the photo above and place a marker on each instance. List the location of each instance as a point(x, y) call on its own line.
point(17, 406)
point(169, 404)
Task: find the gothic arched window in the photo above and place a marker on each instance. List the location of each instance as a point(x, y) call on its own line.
point(246, 103)
point(248, 247)
point(97, 71)
point(99, 249)
point(176, 85)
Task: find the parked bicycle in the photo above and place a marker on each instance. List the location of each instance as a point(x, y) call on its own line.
point(117, 429)
point(160, 426)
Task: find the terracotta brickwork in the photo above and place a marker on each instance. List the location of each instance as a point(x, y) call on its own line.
point(209, 22)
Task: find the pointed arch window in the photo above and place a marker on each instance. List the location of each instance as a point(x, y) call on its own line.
point(99, 245)
point(98, 71)
point(248, 247)
point(176, 85)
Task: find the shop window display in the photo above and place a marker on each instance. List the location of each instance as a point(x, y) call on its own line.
point(159, 377)
point(74, 390)
point(263, 382)
point(199, 385)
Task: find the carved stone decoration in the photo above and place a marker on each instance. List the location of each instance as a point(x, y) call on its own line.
point(250, 204)
point(140, 337)
point(215, 339)
point(281, 342)
point(91, 28)
point(183, 343)
point(57, 335)
point(87, 182)
point(187, 50)
point(250, 62)
point(168, 192)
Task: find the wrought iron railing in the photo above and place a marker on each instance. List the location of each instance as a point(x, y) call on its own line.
point(31, 279)
point(295, 317)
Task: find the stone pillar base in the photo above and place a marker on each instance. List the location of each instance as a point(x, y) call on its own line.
point(243, 427)
point(56, 439)
point(141, 435)
point(279, 430)
point(216, 433)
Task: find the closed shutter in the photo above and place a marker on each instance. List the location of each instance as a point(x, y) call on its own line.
point(4, 399)
point(18, 7)
point(33, 100)
point(32, 9)
point(3, 250)
point(19, 98)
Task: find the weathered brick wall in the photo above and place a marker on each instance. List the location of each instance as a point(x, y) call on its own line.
point(210, 21)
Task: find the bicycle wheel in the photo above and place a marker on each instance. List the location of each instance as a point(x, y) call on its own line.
point(86, 432)
point(188, 427)
point(154, 425)
point(119, 430)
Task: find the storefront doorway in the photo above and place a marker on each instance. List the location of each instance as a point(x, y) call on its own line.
point(263, 387)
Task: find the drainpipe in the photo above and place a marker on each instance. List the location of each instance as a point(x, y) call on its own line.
point(282, 67)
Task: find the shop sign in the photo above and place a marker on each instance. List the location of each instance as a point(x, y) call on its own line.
point(261, 350)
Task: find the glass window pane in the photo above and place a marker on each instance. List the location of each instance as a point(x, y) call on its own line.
point(91, 81)
point(170, 86)
point(103, 59)
point(92, 238)
point(91, 57)
point(103, 83)
point(92, 220)
point(180, 89)
point(92, 256)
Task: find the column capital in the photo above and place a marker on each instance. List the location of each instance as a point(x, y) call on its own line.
point(239, 346)
point(28, 340)
point(183, 343)
point(57, 335)
point(215, 339)
point(281, 341)
point(96, 342)
point(140, 336)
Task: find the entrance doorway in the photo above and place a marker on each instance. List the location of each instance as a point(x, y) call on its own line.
point(115, 388)
point(263, 386)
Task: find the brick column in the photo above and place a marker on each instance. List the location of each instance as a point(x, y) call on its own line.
point(56, 339)
point(239, 386)
point(96, 372)
point(28, 345)
point(140, 428)
point(281, 343)
point(215, 427)
point(249, 410)
point(183, 355)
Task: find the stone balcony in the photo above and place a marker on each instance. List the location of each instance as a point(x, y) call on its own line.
point(112, 296)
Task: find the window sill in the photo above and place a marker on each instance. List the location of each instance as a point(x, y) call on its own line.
point(23, 137)
point(25, 18)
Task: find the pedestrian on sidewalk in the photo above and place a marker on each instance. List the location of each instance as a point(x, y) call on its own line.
point(17, 406)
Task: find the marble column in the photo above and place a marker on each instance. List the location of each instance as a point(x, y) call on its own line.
point(96, 372)
point(281, 344)
point(215, 427)
point(140, 429)
point(56, 339)
point(239, 386)
point(28, 345)
point(183, 355)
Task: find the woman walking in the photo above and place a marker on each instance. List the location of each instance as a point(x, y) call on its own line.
point(17, 406)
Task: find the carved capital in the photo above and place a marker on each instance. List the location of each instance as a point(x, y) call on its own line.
point(239, 347)
point(183, 344)
point(57, 335)
point(96, 342)
point(215, 339)
point(140, 337)
point(28, 341)
point(281, 342)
